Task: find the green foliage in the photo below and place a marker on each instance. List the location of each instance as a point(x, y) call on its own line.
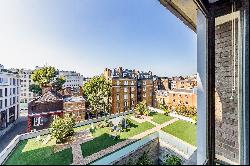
point(144, 159)
point(186, 111)
point(62, 128)
point(36, 89)
point(58, 83)
point(142, 109)
point(172, 160)
point(98, 92)
point(195, 118)
point(165, 108)
point(104, 123)
point(44, 76)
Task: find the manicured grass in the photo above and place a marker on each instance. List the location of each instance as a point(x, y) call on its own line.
point(32, 152)
point(102, 139)
point(186, 131)
point(160, 118)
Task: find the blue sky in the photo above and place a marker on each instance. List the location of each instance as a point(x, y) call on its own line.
point(89, 35)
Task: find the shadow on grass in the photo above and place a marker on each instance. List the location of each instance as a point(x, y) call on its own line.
point(153, 113)
point(40, 156)
point(101, 142)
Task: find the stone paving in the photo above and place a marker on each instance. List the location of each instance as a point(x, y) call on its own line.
point(119, 145)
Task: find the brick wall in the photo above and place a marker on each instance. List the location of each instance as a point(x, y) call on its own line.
point(153, 152)
point(226, 109)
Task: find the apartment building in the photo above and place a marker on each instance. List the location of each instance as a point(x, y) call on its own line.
point(9, 97)
point(129, 87)
point(177, 97)
point(26, 95)
point(183, 96)
point(189, 82)
point(73, 79)
point(145, 87)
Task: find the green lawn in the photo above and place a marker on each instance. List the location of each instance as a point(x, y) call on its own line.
point(186, 131)
point(30, 152)
point(102, 139)
point(160, 118)
point(81, 128)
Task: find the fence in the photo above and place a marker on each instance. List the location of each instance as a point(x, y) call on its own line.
point(12, 145)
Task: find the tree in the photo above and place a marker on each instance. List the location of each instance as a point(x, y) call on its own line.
point(58, 82)
point(62, 128)
point(98, 92)
point(36, 89)
point(44, 76)
point(142, 109)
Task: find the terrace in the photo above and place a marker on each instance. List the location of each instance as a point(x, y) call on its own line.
point(100, 144)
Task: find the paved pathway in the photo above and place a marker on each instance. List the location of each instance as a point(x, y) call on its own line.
point(77, 154)
point(119, 145)
point(19, 128)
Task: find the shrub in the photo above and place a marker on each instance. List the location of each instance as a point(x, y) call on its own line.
point(144, 159)
point(62, 128)
point(141, 109)
point(195, 118)
point(172, 160)
point(165, 108)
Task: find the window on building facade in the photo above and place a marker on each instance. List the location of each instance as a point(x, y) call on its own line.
point(10, 101)
point(125, 96)
point(6, 91)
point(38, 121)
point(118, 82)
point(117, 105)
point(125, 103)
point(6, 102)
point(132, 89)
point(1, 93)
point(132, 95)
point(125, 82)
point(125, 89)
point(117, 97)
point(132, 102)
point(1, 104)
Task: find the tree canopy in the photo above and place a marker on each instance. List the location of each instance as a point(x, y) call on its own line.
point(98, 92)
point(34, 88)
point(58, 82)
point(44, 76)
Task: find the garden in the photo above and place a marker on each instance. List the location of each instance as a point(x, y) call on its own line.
point(44, 149)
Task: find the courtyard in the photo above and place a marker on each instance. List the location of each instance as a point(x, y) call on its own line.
point(101, 143)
